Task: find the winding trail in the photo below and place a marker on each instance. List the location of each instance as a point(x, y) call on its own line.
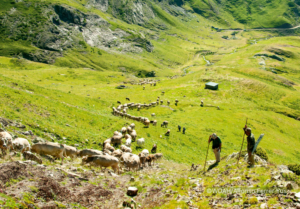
point(293, 28)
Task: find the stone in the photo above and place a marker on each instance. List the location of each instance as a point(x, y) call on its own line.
point(38, 139)
point(275, 178)
point(264, 206)
point(132, 191)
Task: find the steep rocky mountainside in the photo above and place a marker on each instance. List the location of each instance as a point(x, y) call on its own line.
point(44, 31)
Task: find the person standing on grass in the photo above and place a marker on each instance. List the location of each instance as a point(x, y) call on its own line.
point(216, 146)
point(183, 130)
point(179, 128)
point(250, 146)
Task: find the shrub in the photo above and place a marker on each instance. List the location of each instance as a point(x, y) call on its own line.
point(295, 168)
point(261, 153)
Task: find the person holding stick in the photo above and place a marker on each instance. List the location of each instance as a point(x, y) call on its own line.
point(216, 146)
point(250, 146)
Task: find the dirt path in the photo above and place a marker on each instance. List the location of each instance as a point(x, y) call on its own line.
point(293, 28)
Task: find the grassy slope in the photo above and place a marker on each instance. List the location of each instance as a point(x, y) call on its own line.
point(245, 91)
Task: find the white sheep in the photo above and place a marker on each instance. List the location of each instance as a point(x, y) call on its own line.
point(140, 142)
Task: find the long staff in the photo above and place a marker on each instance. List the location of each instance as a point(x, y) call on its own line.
point(206, 158)
point(242, 145)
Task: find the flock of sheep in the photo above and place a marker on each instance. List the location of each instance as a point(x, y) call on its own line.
point(108, 157)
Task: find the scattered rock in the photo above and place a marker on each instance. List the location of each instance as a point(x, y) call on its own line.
point(132, 191)
point(38, 139)
point(264, 206)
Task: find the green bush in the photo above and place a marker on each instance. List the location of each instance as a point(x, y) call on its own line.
point(261, 153)
point(295, 168)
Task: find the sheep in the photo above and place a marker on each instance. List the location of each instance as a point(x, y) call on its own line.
point(119, 102)
point(144, 87)
point(117, 138)
point(132, 126)
point(125, 148)
point(27, 155)
point(147, 123)
point(21, 145)
point(129, 129)
point(133, 134)
point(142, 159)
point(161, 101)
point(127, 99)
point(202, 104)
point(117, 153)
point(168, 133)
point(162, 92)
point(154, 123)
point(165, 124)
point(154, 148)
point(153, 114)
point(176, 101)
point(130, 160)
point(158, 156)
point(123, 130)
point(145, 152)
point(150, 159)
point(128, 142)
point(140, 142)
point(107, 146)
point(168, 102)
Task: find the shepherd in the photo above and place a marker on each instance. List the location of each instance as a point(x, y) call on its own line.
point(179, 128)
point(216, 146)
point(250, 146)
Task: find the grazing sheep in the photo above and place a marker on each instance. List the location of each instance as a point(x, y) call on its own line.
point(162, 92)
point(150, 159)
point(124, 130)
point(133, 135)
point(153, 114)
point(161, 101)
point(106, 152)
point(176, 101)
point(140, 142)
point(117, 138)
point(125, 149)
point(88, 152)
point(147, 123)
point(107, 146)
point(129, 129)
point(154, 148)
point(27, 155)
point(70, 151)
point(21, 145)
point(102, 161)
point(168, 102)
point(145, 152)
point(128, 142)
point(168, 133)
point(165, 124)
point(202, 104)
point(117, 153)
point(49, 148)
point(158, 156)
point(130, 160)
point(7, 138)
point(127, 99)
point(154, 123)
point(132, 125)
point(142, 159)
point(119, 102)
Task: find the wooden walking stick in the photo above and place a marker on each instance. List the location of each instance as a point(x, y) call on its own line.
point(242, 145)
point(206, 157)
